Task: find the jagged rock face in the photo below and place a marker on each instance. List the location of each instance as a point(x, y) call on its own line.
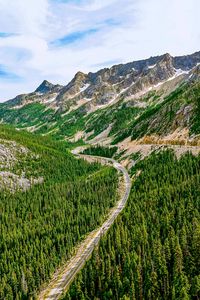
point(46, 87)
point(187, 62)
point(165, 87)
point(111, 84)
point(105, 85)
point(125, 80)
point(149, 77)
point(73, 87)
point(46, 93)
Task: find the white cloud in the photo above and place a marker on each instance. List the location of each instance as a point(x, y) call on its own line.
point(125, 30)
point(24, 17)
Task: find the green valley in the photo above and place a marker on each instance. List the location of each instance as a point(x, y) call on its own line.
point(41, 226)
point(99, 185)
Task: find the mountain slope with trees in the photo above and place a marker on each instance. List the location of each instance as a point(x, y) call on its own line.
point(41, 226)
point(153, 250)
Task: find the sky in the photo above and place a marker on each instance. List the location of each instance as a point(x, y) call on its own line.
point(53, 39)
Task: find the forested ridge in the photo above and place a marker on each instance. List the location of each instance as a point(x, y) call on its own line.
point(40, 227)
point(153, 249)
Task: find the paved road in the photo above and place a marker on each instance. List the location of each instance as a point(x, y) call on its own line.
point(64, 277)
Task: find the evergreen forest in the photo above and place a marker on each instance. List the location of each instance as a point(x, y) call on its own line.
point(152, 250)
point(40, 227)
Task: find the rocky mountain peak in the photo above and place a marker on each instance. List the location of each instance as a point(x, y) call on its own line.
point(108, 85)
point(80, 75)
point(187, 62)
point(48, 87)
point(167, 57)
point(44, 87)
point(151, 74)
point(79, 79)
point(73, 88)
point(167, 61)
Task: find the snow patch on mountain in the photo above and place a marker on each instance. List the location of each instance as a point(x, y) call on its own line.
point(84, 87)
point(152, 66)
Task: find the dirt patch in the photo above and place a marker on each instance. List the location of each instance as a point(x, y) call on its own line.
point(102, 137)
point(147, 145)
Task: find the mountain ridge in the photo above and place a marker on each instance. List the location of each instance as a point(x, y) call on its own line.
point(158, 95)
point(105, 84)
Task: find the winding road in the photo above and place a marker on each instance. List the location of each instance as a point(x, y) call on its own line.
point(64, 277)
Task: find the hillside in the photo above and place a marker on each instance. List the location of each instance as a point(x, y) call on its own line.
point(42, 224)
point(153, 250)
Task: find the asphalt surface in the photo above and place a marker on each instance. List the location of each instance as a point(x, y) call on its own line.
point(64, 277)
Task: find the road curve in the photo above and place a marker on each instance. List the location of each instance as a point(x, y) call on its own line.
point(64, 277)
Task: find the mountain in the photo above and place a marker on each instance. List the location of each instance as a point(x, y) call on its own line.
point(156, 96)
point(51, 202)
point(109, 85)
point(46, 93)
point(47, 87)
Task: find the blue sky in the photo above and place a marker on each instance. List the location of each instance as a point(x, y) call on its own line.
point(8, 76)
point(53, 39)
point(73, 37)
